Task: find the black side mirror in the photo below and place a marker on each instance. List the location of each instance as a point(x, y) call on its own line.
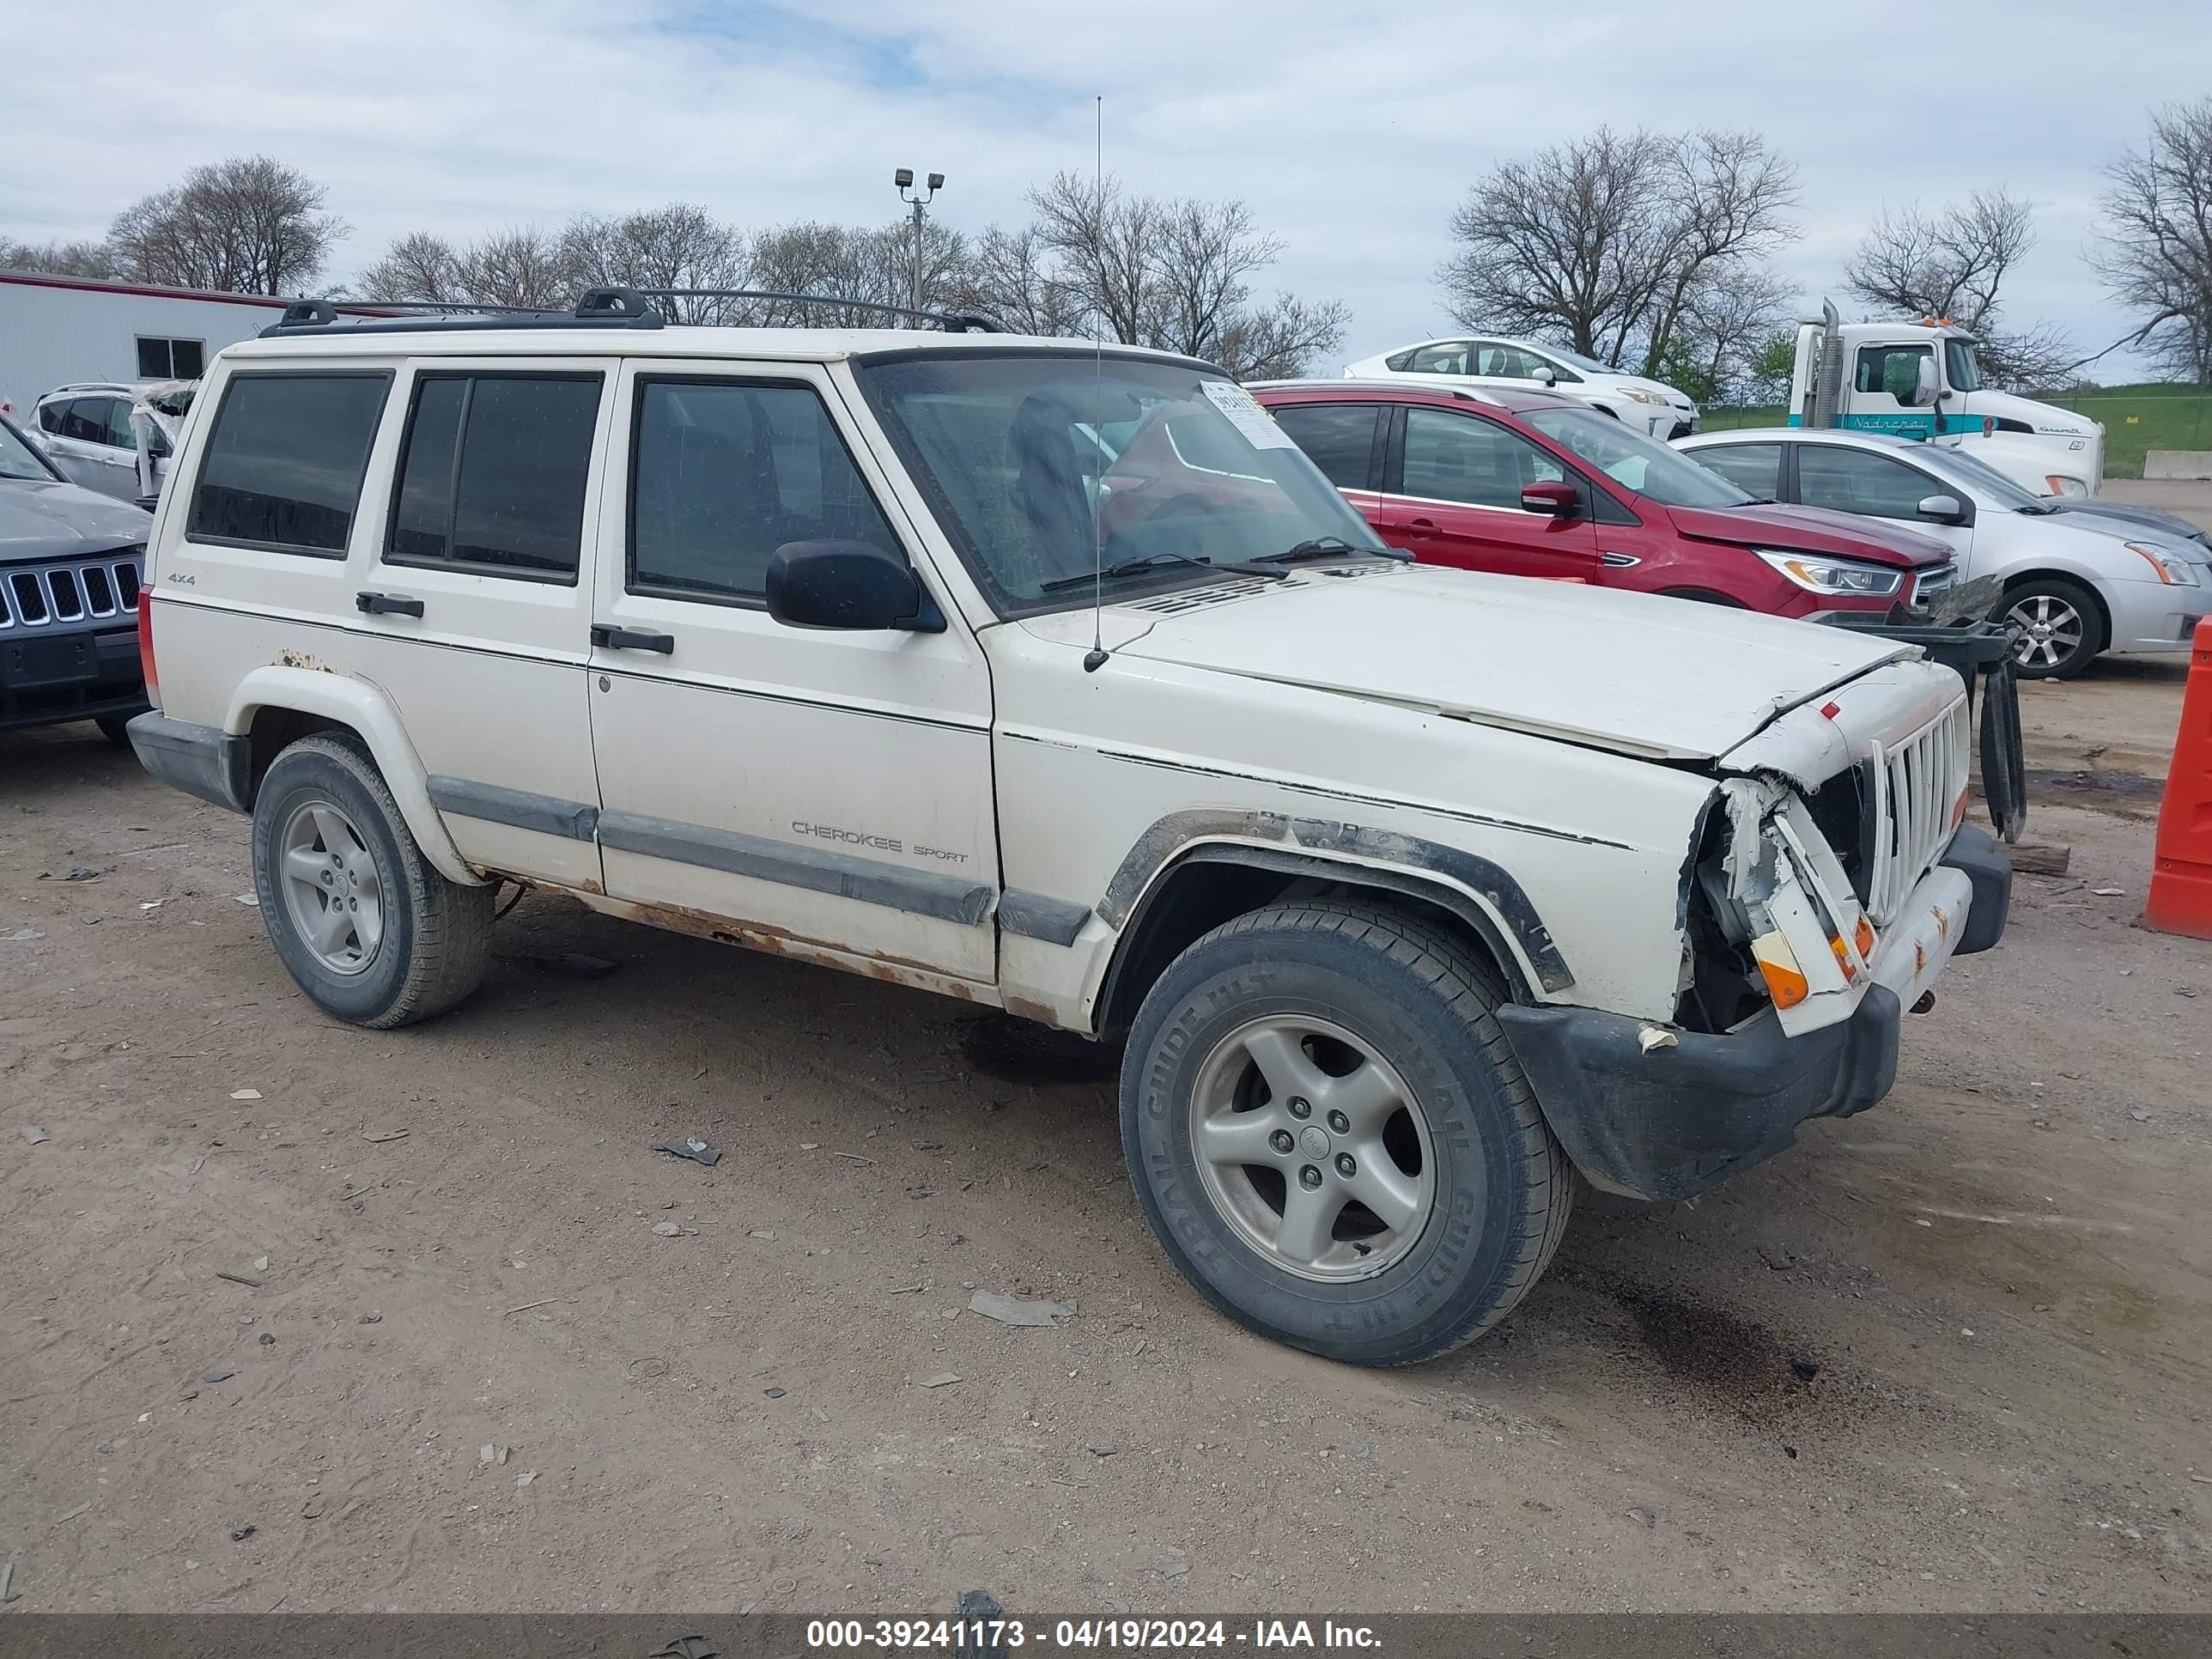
point(847, 585)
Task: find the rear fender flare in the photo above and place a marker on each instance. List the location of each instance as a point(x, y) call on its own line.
point(365, 710)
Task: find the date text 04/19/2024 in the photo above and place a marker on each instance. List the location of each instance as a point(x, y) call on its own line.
point(1167, 1635)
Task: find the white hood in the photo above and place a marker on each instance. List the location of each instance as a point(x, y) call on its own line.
point(1665, 678)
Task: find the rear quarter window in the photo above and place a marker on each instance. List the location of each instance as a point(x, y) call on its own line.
point(284, 461)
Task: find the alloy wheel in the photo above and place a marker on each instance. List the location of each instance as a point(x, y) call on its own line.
point(1312, 1148)
point(330, 887)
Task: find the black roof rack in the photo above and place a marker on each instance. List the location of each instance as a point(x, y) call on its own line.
point(600, 307)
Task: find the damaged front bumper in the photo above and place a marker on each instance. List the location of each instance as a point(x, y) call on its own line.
point(1674, 1117)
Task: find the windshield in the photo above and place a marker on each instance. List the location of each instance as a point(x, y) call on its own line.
point(1649, 468)
point(1028, 458)
point(17, 459)
point(1973, 470)
point(1959, 363)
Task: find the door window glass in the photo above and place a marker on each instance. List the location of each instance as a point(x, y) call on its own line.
point(1755, 468)
point(1464, 458)
point(1339, 438)
point(85, 420)
point(284, 461)
point(494, 474)
point(1893, 371)
point(1447, 358)
point(1860, 481)
point(725, 473)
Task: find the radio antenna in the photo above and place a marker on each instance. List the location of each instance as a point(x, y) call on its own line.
point(1095, 659)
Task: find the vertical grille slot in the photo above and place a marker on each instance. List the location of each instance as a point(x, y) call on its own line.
point(1917, 783)
point(30, 599)
point(67, 598)
point(99, 591)
point(126, 585)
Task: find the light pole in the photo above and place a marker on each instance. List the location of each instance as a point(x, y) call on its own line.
point(918, 199)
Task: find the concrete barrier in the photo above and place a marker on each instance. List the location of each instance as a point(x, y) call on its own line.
point(2178, 463)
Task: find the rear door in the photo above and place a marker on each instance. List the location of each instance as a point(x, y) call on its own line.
point(478, 601)
point(818, 789)
point(1347, 441)
point(1452, 495)
point(95, 444)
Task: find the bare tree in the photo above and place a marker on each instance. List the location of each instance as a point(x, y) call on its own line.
point(417, 267)
point(1953, 264)
point(248, 225)
point(59, 258)
point(1173, 274)
point(522, 265)
point(1010, 278)
point(2156, 254)
point(679, 245)
point(1724, 326)
point(1607, 241)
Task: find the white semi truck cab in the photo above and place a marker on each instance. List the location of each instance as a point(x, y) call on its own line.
point(1921, 380)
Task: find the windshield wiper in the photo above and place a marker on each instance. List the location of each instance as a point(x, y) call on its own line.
point(1330, 547)
point(1154, 561)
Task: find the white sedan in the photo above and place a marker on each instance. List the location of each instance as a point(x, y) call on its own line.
point(1659, 410)
point(2076, 583)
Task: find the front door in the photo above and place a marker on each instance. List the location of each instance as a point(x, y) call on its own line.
point(1858, 481)
point(1452, 495)
point(815, 787)
point(1893, 390)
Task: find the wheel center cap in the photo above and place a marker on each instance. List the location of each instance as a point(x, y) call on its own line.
point(1313, 1141)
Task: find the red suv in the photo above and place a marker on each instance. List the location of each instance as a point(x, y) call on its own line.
point(1532, 484)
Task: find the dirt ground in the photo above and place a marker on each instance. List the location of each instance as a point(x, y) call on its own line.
point(1953, 1354)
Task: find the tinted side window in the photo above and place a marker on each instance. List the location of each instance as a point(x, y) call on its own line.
point(283, 463)
point(1755, 468)
point(1859, 481)
point(723, 474)
point(1464, 458)
point(493, 473)
point(1339, 438)
point(86, 420)
point(53, 416)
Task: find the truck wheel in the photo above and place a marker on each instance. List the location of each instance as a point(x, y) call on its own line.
point(2061, 628)
point(116, 728)
point(1328, 1133)
point(364, 923)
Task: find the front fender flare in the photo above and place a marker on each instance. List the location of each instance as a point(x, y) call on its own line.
point(1475, 887)
point(364, 709)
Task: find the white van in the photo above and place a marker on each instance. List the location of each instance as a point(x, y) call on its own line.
point(1412, 893)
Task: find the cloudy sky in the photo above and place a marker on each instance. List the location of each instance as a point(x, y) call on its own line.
point(1351, 129)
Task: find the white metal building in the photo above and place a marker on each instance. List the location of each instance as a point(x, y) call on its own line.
point(58, 330)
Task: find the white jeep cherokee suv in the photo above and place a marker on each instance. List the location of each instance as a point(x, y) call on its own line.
point(1413, 892)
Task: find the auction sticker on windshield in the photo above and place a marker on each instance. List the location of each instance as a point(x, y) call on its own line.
point(1245, 413)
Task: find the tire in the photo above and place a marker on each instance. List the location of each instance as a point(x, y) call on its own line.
point(2048, 600)
point(116, 728)
point(1498, 1188)
point(432, 935)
